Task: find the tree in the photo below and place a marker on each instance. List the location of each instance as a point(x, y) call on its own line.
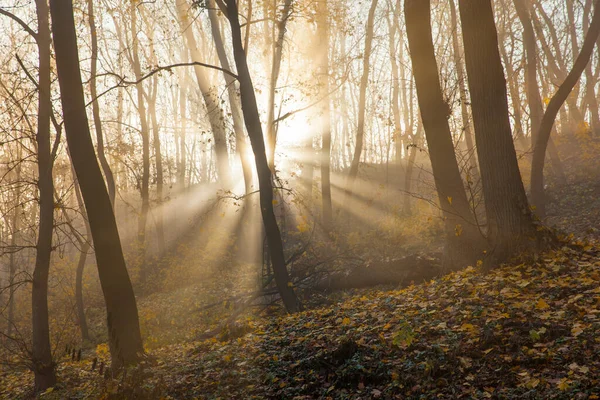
point(362, 101)
point(209, 95)
point(463, 240)
point(43, 365)
point(145, 133)
point(539, 150)
point(323, 78)
point(232, 92)
point(510, 221)
point(108, 174)
point(464, 111)
point(254, 128)
point(273, 78)
point(125, 340)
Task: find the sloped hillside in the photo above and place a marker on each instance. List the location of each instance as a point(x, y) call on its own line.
point(525, 331)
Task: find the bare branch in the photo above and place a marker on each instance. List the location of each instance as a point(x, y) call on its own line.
point(20, 22)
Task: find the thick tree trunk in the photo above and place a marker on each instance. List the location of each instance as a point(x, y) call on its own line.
point(43, 365)
point(510, 222)
point(108, 175)
point(124, 336)
point(464, 244)
point(362, 100)
point(253, 125)
point(539, 150)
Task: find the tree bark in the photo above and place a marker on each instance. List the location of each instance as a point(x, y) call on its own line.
point(463, 241)
point(539, 150)
point(43, 365)
point(510, 222)
point(253, 125)
point(124, 336)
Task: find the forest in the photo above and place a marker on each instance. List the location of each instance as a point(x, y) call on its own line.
point(299, 199)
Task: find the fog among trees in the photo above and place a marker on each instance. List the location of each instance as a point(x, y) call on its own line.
point(299, 199)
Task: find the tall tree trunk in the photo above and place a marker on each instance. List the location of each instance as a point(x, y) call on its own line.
point(151, 99)
point(43, 365)
point(253, 125)
point(160, 230)
point(534, 100)
point(410, 167)
point(395, 100)
point(515, 98)
point(12, 262)
point(182, 165)
point(124, 337)
point(591, 80)
point(362, 101)
point(232, 92)
point(84, 244)
point(145, 132)
point(110, 180)
point(211, 100)
point(275, 68)
point(464, 244)
point(539, 150)
point(462, 87)
point(323, 79)
point(510, 222)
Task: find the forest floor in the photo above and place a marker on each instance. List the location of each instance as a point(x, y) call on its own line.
point(522, 331)
point(528, 331)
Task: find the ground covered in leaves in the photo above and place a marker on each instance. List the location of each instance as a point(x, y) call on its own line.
point(524, 331)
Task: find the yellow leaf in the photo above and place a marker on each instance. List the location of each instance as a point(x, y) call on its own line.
point(275, 202)
point(541, 305)
point(576, 331)
point(533, 383)
point(290, 284)
point(227, 358)
point(450, 199)
point(563, 384)
point(346, 321)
